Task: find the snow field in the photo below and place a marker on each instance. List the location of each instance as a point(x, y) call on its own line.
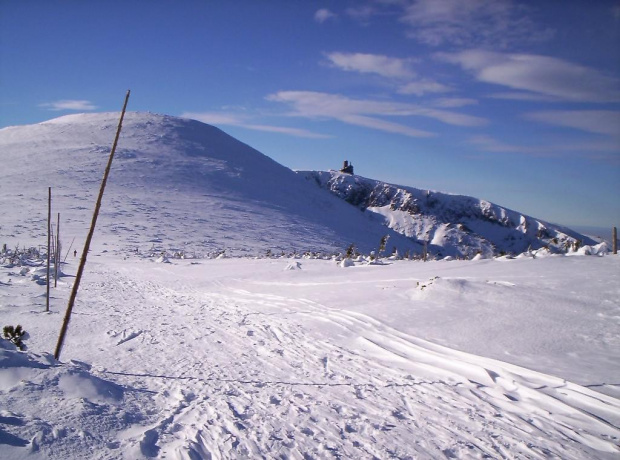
point(241, 358)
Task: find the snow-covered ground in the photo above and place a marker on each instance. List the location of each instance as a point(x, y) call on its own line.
point(292, 358)
point(300, 358)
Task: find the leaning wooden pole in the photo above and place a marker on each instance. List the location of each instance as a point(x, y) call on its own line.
point(89, 237)
point(49, 242)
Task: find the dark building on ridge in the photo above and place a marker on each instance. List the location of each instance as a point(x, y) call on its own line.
point(347, 168)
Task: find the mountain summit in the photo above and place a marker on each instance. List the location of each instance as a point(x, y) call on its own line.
point(175, 184)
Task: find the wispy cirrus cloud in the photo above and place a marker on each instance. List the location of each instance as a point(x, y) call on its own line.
point(214, 118)
point(541, 75)
point(362, 13)
point(69, 104)
point(424, 86)
point(605, 122)
point(372, 63)
point(523, 96)
point(488, 143)
point(383, 125)
point(323, 15)
point(454, 102)
point(595, 150)
point(471, 22)
point(367, 113)
point(228, 119)
point(398, 69)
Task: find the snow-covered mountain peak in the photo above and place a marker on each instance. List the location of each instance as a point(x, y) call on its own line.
point(175, 183)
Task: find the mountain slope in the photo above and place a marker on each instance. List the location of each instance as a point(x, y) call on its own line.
point(449, 224)
point(175, 184)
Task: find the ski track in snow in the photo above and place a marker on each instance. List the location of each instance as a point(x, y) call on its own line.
point(268, 376)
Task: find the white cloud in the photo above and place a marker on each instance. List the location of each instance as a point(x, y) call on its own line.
point(382, 125)
point(424, 86)
point(372, 63)
point(297, 132)
point(470, 22)
point(490, 144)
point(323, 15)
point(602, 151)
point(389, 67)
point(227, 119)
point(543, 75)
point(363, 112)
point(523, 96)
point(451, 118)
point(362, 13)
point(454, 102)
point(214, 118)
point(68, 104)
point(593, 121)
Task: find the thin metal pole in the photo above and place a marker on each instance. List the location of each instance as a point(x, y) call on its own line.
point(49, 242)
point(89, 237)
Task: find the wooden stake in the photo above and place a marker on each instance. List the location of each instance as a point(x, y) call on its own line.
point(89, 237)
point(614, 240)
point(57, 252)
point(69, 250)
point(49, 241)
point(52, 247)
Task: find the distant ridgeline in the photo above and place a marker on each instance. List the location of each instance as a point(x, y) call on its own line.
point(448, 224)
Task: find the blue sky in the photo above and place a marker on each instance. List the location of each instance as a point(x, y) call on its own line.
point(514, 102)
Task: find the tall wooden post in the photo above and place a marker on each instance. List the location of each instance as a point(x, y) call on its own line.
point(614, 240)
point(89, 237)
point(49, 241)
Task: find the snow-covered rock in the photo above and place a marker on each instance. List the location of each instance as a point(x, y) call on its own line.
point(346, 262)
point(600, 249)
point(450, 224)
point(293, 266)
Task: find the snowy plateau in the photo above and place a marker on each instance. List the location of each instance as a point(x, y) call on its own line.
point(215, 320)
